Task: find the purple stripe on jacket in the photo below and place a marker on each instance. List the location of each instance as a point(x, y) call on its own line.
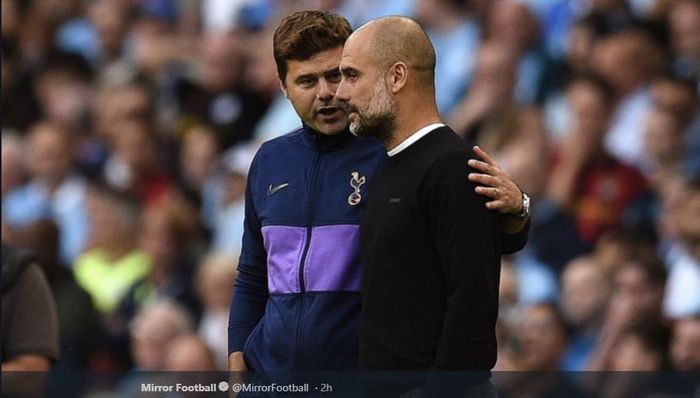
point(332, 262)
point(284, 246)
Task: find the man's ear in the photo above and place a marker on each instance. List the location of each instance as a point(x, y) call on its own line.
point(283, 87)
point(398, 76)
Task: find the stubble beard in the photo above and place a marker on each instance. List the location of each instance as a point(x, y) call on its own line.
point(379, 119)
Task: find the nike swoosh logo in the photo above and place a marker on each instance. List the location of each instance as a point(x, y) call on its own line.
point(271, 190)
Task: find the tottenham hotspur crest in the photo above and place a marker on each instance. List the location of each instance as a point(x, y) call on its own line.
point(356, 182)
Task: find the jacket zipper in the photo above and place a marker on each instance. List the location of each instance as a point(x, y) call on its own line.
point(310, 210)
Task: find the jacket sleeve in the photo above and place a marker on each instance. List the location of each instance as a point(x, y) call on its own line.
point(251, 293)
point(513, 243)
point(468, 241)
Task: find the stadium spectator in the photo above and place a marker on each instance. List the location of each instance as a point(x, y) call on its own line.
point(508, 318)
point(681, 99)
point(189, 353)
point(64, 91)
point(642, 347)
point(577, 61)
point(683, 286)
point(227, 235)
point(588, 189)
point(200, 178)
point(684, 23)
point(638, 289)
point(628, 61)
point(214, 282)
point(489, 116)
point(620, 246)
point(513, 23)
point(153, 329)
point(542, 337)
point(13, 167)
point(167, 236)
point(55, 190)
point(280, 117)
point(455, 36)
point(584, 295)
point(79, 325)
point(109, 25)
point(136, 166)
point(685, 340)
point(219, 96)
point(113, 262)
point(540, 341)
point(663, 145)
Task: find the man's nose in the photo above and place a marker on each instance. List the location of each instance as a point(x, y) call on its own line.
point(341, 92)
point(326, 91)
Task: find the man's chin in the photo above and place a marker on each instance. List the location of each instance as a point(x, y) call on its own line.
point(360, 130)
point(354, 129)
point(331, 128)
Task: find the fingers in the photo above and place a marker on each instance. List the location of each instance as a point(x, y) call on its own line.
point(500, 205)
point(484, 179)
point(486, 191)
point(483, 167)
point(504, 199)
point(483, 155)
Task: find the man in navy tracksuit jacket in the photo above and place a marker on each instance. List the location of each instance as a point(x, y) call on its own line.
point(297, 301)
point(299, 271)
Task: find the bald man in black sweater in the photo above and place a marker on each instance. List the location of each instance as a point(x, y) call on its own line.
point(430, 248)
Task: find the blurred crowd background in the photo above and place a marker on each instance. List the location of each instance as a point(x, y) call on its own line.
point(128, 127)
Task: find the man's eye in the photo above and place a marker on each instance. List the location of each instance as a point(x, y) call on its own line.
point(307, 83)
point(334, 77)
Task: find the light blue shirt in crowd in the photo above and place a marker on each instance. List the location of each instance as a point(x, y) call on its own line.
point(66, 207)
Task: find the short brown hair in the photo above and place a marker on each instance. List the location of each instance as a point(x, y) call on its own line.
point(303, 34)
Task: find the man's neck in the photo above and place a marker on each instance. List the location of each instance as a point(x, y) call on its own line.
point(407, 128)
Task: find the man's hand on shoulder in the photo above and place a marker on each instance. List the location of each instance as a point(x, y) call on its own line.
point(507, 198)
point(495, 184)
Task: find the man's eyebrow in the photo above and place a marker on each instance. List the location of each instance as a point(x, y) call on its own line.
point(305, 76)
point(315, 75)
point(347, 69)
point(332, 70)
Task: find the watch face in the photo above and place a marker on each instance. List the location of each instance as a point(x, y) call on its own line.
point(526, 207)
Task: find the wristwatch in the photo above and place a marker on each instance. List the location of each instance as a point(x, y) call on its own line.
point(525, 212)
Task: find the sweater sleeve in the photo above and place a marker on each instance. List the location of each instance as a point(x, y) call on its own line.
point(513, 243)
point(251, 293)
point(467, 237)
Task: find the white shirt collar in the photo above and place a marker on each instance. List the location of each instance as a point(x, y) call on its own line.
point(414, 137)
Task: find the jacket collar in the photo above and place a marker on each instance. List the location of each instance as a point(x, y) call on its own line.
point(327, 143)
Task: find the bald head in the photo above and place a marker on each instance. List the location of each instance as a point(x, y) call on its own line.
point(187, 353)
point(388, 85)
point(400, 39)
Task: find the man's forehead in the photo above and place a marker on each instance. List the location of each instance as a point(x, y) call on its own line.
point(358, 42)
point(322, 62)
point(355, 54)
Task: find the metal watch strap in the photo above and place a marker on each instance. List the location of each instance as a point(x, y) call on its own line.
point(525, 212)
